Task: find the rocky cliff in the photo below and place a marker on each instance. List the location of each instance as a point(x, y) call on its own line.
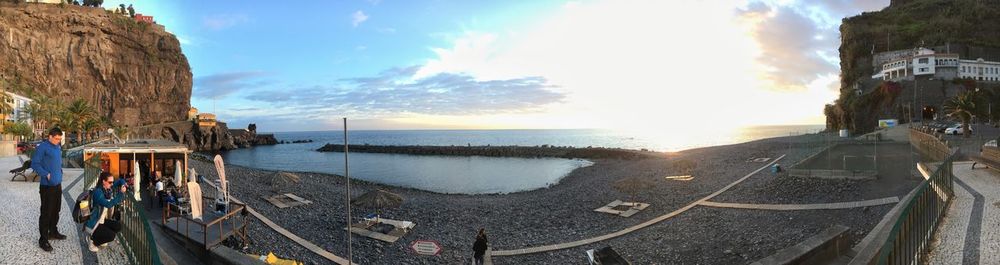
point(133, 73)
point(970, 28)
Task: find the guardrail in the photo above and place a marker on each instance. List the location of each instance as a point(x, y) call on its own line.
point(912, 229)
point(135, 237)
point(233, 209)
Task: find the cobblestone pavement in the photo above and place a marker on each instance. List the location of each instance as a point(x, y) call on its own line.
point(970, 231)
point(19, 224)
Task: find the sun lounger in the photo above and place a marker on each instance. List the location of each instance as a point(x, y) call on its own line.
point(405, 225)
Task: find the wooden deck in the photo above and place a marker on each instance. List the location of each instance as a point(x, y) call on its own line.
point(215, 233)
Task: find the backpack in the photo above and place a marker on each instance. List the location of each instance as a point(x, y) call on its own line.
point(83, 207)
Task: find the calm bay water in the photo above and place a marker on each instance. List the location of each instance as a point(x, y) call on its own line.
point(475, 175)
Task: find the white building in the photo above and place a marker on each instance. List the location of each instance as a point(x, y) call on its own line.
point(946, 66)
point(18, 103)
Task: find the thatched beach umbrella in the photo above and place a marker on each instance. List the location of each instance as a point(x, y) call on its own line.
point(283, 179)
point(378, 199)
point(632, 186)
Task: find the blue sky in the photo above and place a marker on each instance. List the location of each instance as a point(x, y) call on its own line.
point(504, 64)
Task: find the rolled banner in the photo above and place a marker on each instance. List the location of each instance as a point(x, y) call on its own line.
point(178, 173)
point(136, 181)
point(221, 168)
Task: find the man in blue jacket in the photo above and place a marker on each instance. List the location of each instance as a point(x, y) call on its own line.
point(47, 162)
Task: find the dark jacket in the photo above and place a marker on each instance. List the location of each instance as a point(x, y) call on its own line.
point(47, 161)
point(103, 200)
point(480, 246)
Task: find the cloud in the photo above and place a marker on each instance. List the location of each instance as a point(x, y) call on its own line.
point(798, 42)
point(183, 40)
point(224, 21)
point(358, 17)
point(789, 47)
point(395, 91)
point(221, 85)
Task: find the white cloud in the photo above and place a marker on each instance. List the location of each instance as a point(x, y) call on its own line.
point(183, 40)
point(224, 21)
point(358, 17)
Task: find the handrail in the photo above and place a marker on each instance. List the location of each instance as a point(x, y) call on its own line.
point(205, 226)
point(136, 237)
point(911, 231)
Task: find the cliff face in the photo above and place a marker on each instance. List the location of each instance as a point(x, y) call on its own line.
point(133, 73)
point(970, 28)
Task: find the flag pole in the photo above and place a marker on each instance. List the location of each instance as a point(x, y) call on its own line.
point(347, 176)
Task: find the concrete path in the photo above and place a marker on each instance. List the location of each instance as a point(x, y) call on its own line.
point(799, 207)
point(19, 224)
point(970, 231)
point(632, 228)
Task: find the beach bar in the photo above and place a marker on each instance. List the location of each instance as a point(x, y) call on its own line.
point(146, 157)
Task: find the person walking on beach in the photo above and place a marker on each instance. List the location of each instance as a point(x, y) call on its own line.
point(47, 162)
point(479, 248)
point(100, 226)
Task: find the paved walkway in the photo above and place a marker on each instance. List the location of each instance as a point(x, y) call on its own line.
point(970, 231)
point(629, 229)
point(799, 207)
point(19, 224)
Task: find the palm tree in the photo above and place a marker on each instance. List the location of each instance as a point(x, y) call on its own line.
point(962, 107)
point(89, 126)
point(79, 111)
point(20, 129)
point(6, 109)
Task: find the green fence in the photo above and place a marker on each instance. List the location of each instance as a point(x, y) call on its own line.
point(135, 237)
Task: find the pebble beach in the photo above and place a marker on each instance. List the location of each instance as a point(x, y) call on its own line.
point(564, 212)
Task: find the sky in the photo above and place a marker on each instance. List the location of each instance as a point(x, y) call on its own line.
point(440, 64)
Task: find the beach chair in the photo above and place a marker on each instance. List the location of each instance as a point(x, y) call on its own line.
point(21, 172)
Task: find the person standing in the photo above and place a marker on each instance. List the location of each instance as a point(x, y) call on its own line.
point(100, 226)
point(159, 188)
point(479, 248)
point(47, 162)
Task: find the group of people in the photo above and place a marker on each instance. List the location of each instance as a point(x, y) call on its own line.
point(103, 224)
point(102, 228)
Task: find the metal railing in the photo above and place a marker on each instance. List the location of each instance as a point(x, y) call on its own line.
point(135, 237)
point(237, 224)
point(912, 223)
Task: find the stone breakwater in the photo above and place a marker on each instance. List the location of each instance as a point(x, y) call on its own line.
point(500, 151)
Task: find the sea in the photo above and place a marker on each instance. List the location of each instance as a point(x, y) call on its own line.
point(476, 174)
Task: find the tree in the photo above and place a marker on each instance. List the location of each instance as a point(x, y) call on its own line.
point(6, 109)
point(962, 107)
point(89, 126)
point(20, 129)
point(80, 111)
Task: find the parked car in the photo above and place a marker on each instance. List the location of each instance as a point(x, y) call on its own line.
point(956, 130)
point(942, 126)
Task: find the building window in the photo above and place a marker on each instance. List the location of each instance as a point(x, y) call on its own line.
point(922, 60)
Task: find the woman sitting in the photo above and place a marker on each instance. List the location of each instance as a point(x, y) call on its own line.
point(105, 197)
